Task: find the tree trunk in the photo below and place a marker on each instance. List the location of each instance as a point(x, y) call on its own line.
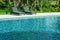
point(27, 2)
point(58, 5)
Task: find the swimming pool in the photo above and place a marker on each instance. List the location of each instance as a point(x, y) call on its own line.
point(30, 28)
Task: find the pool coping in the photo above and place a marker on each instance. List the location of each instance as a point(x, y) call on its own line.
point(9, 17)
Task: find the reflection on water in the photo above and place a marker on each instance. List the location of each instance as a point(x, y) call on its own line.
point(45, 28)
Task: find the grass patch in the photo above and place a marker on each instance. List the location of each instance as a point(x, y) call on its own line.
point(45, 9)
point(3, 12)
point(54, 9)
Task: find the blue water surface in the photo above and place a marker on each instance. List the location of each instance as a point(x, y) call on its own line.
point(41, 28)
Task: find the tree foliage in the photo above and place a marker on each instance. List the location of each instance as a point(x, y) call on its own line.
point(33, 4)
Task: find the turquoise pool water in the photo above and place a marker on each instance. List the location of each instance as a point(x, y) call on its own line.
point(40, 28)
